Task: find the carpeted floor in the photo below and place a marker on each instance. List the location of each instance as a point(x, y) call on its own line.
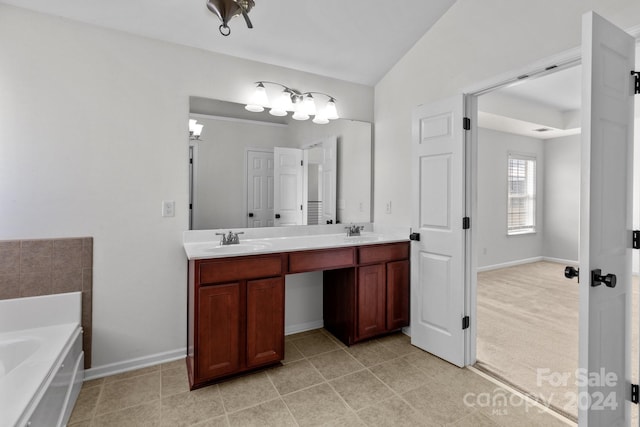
point(528, 330)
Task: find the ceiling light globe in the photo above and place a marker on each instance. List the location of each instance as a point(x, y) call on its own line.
point(308, 105)
point(258, 100)
point(300, 115)
point(330, 111)
point(320, 119)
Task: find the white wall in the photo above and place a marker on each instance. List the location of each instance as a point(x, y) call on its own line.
point(93, 136)
point(474, 41)
point(562, 198)
point(495, 247)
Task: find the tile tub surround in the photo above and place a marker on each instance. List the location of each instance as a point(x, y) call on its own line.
point(50, 266)
point(383, 382)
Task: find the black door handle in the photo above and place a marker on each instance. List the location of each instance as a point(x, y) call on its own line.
point(414, 236)
point(250, 214)
point(277, 216)
point(571, 272)
point(598, 279)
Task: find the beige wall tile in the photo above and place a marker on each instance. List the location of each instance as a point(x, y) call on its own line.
point(10, 257)
point(35, 284)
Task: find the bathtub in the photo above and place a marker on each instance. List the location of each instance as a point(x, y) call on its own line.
point(41, 359)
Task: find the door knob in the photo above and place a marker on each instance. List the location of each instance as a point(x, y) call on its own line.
point(250, 214)
point(598, 279)
point(277, 216)
point(571, 272)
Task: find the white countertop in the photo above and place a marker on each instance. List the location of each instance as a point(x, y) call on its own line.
point(205, 244)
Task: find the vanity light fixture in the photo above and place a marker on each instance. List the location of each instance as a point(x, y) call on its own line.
point(227, 9)
point(302, 104)
point(195, 130)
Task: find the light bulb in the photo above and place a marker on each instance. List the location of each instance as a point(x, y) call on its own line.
point(300, 113)
point(258, 100)
point(330, 110)
point(320, 119)
point(308, 105)
point(282, 105)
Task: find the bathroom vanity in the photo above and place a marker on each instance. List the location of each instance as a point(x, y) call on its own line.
point(236, 296)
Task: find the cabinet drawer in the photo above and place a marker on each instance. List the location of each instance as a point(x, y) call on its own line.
point(323, 259)
point(247, 267)
point(382, 253)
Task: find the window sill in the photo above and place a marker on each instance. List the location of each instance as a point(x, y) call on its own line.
point(520, 233)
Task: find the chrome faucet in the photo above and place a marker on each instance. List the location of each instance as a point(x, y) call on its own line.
point(354, 230)
point(230, 239)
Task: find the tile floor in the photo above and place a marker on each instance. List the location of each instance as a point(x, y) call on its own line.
point(383, 382)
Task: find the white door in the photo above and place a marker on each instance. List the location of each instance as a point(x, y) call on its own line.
point(259, 189)
point(605, 222)
point(288, 186)
point(329, 180)
point(437, 259)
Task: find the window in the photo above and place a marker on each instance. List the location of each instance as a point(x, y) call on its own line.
point(521, 199)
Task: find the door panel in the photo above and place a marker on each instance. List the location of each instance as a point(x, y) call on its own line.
point(397, 294)
point(329, 180)
point(288, 186)
point(259, 189)
point(218, 336)
point(437, 259)
point(265, 321)
point(606, 219)
point(370, 295)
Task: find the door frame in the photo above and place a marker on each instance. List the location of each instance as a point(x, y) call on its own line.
point(545, 66)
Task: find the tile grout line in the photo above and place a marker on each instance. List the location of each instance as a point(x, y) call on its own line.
point(281, 399)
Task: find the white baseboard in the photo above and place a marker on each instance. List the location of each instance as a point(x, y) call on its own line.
point(510, 264)
point(303, 327)
point(561, 261)
point(133, 364)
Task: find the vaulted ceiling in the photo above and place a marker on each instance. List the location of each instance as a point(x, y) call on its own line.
point(352, 40)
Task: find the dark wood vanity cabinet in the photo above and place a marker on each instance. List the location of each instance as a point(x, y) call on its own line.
point(234, 325)
point(374, 300)
point(236, 304)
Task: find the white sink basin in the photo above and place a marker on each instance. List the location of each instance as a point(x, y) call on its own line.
point(362, 239)
point(238, 248)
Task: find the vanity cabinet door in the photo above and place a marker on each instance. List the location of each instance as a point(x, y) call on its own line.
point(218, 334)
point(265, 321)
point(371, 304)
point(397, 294)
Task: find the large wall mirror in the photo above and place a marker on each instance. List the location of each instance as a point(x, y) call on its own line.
point(257, 170)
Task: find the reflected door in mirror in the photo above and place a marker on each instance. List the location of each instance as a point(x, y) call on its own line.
point(260, 189)
point(288, 186)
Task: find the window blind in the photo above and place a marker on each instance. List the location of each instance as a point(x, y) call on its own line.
point(521, 199)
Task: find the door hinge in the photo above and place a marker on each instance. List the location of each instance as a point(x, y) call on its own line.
point(465, 322)
point(466, 223)
point(300, 207)
point(190, 206)
point(301, 162)
point(466, 123)
point(635, 393)
point(636, 76)
point(636, 239)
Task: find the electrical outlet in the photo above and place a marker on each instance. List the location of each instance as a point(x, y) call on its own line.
point(389, 207)
point(168, 208)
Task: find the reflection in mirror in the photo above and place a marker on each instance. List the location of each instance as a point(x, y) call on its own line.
point(245, 169)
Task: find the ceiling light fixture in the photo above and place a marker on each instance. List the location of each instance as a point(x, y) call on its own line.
point(302, 104)
point(227, 9)
point(195, 130)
